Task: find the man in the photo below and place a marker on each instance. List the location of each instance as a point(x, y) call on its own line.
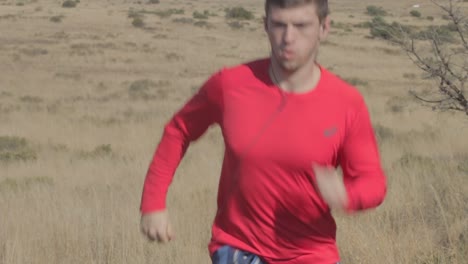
point(287, 123)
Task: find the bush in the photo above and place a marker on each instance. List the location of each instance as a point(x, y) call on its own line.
point(375, 11)
point(31, 99)
point(235, 25)
point(381, 29)
point(133, 14)
point(356, 81)
point(203, 24)
point(366, 24)
point(415, 13)
point(17, 184)
point(239, 13)
point(199, 15)
point(101, 151)
point(443, 33)
point(153, 2)
point(138, 22)
point(183, 20)
point(15, 149)
point(383, 133)
point(444, 64)
point(56, 19)
point(430, 18)
point(69, 4)
point(451, 27)
point(141, 89)
point(165, 13)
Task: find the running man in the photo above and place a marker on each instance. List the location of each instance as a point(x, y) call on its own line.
point(288, 124)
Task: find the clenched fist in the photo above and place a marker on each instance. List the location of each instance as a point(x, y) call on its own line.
point(331, 187)
point(156, 226)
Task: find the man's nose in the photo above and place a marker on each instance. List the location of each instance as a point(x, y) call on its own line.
point(289, 34)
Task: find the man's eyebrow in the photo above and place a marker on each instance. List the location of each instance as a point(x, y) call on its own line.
point(277, 21)
point(303, 22)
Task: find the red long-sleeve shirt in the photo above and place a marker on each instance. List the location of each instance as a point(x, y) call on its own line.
point(267, 200)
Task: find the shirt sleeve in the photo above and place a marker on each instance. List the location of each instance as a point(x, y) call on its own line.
point(363, 176)
point(187, 125)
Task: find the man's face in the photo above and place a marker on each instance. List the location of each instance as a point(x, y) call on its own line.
point(295, 34)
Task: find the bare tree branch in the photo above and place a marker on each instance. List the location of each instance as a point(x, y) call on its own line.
point(442, 65)
point(456, 18)
point(441, 52)
point(428, 100)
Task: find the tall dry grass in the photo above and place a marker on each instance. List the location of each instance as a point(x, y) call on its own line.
point(93, 130)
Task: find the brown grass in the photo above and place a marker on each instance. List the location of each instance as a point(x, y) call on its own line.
point(66, 89)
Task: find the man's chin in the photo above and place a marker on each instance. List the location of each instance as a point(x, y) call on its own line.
point(289, 66)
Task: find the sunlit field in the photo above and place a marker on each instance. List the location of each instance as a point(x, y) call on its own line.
point(86, 90)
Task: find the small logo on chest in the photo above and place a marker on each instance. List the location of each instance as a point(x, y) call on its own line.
point(330, 131)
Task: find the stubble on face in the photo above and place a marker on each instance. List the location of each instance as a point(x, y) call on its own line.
point(304, 41)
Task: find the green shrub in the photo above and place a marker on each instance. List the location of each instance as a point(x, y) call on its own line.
point(138, 22)
point(69, 4)
point(199, 15)
point(165, 13)
point(379, 28)
point(160, 13)
point(15, 149)
point(143, 89)
point(153, 2)
point(451, 27)
point(183, 20)
point(415, 13)
point(31, 99)
point(376, 11)
point(410, 76)
point(341, 25)
point(416, 161)
point(383, 133)
point(101, 151)
point(15, 184)
point(203, 24)
point(443, 33)
point(430, 18)
point(238, 13)
point(235, 25)
point(133, 14)
point(56, 19)
point(366, 24)
point(356, 81)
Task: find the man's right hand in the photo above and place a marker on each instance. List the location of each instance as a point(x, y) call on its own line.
point(156, 226)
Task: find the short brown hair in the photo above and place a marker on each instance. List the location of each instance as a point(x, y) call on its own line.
point(322, 6)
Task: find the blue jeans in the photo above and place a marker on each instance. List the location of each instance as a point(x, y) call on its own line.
point(230, 255)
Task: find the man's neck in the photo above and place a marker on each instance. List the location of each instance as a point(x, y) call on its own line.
point(302, 80)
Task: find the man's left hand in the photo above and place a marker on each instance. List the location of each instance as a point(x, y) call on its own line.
point(331, 187)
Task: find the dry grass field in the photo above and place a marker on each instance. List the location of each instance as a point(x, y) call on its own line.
point(85, 93)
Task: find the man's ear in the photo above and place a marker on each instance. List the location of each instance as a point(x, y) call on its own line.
point(325, 28)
